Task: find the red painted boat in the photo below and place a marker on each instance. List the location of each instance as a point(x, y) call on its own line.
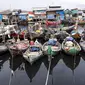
point(53, 23)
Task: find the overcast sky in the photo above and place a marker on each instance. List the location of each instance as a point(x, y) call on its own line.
point(28, 4)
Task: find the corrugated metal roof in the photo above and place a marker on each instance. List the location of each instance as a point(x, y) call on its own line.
point(54, 9)
point(39, 8)
point(6, 12)
point(23, 13)
point(54, 6)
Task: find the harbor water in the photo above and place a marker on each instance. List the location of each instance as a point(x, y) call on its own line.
point(64, 70)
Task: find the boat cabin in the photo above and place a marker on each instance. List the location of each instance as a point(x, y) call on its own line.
point(40, 14)
point(53, 12)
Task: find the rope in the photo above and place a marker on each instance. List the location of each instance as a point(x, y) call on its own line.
point(48, 70)
point(74, 63)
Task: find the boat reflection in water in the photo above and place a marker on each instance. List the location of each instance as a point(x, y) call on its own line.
point(16, 63)
point(71, 61)
point(32, 70)
point(3, 59)
point(54, 62)
point(83, 55)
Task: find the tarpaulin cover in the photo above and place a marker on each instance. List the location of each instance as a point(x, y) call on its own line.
point(61, 14)
point(22, 17)
point(1, 17)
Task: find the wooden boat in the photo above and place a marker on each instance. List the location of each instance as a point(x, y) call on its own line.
point(54, 48)
point(67, 29)
point(33, 53)
point(61, 35)
point(48, 23)
point(75, 35)
point(60, 28)
point(82, 22)
point(17, 48)
point(82, 44)
point(3, 48)
point(6, 30)
point(35, 31)
point(70, 46)
point(82, 41)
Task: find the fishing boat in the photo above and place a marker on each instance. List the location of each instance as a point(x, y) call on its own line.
point(52, 44)
point(75, 34)
point(82, 22)
point(61, 35)
point(7, 30)
point(3, 48)
point(34, 52)
point(70, 46)
point(82, 41)
point(48, 23)
point(67, 29)
point(17, 48)
point(35, 31)
point(82, 44)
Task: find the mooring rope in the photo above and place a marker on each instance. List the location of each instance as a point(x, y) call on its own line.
point(50, 57)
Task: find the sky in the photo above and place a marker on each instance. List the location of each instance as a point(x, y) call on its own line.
point(28, 4)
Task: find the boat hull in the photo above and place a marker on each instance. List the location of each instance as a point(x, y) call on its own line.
point(32, 58)
point(82, 44)
point(73, 50)
point(3, 49)
point(55, 49)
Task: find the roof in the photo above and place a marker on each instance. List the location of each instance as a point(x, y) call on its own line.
point(16, 10)
point(7, 12)
point(54, 6)
point(39, 8)
point(23, 13)
point(54, 9)
point(83, 11)
point(30, 12)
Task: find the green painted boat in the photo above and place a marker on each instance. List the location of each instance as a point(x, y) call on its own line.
point(51, 49)
point(72, 48)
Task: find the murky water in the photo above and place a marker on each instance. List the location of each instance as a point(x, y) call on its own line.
point(65, 70)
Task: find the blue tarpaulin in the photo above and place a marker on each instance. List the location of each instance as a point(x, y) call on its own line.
point(22, 17)
point(61, 14)
point(1, 17)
